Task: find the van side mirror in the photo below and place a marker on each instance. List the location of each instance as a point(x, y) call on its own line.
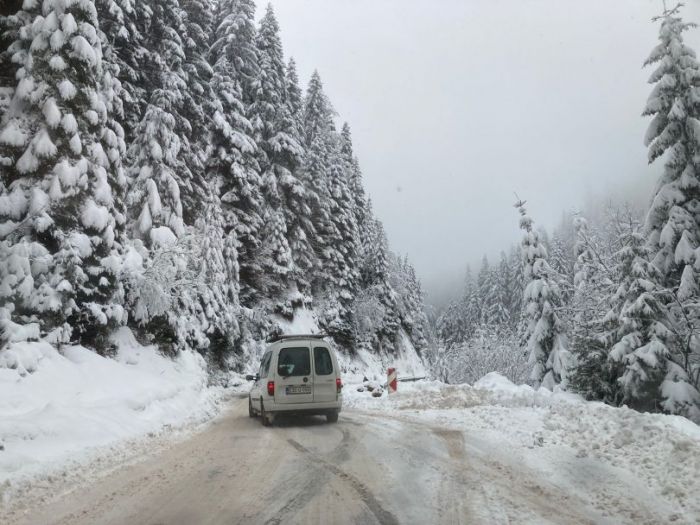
point(252, 378)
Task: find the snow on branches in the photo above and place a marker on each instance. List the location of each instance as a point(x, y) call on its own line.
point(546, 341)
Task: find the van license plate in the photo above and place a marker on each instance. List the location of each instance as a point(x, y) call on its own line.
point(298, 389)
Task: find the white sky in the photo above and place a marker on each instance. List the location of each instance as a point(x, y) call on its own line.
point(456, 104)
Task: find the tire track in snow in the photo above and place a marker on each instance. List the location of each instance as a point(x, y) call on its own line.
point(381, 514)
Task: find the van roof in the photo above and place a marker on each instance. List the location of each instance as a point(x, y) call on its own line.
point(290, 337)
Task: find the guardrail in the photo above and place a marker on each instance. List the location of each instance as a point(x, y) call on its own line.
point(408, 379)
point(404, 380)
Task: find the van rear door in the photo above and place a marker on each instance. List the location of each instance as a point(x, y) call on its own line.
point(325, 388)
point(294, 381)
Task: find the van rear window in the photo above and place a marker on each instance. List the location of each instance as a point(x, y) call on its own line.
point(294, 361)
point(322, 361)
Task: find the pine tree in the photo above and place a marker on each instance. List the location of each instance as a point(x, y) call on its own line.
point(298, 197)
point(504, 291)
point(317, 113)
point(491, 308)
point(295, 99)
point(592, 375)
point(156, 173)
point(415, 320)
point(125, 25)
point(517, 279)
point(377, 253)
point(198, 21)
point(344, 239)
point(235, 39)
point(62, 182)
point(640, 334)
point(279, 140)
point(354, 178)
point(546, 342)
point(219, 288)
point(336, 232)
point(673, 222)
point(233, 162)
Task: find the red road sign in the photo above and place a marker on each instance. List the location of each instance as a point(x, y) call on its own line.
point(391, 380)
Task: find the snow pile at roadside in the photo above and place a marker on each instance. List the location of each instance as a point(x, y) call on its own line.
point(57, 409)
point(586, 448)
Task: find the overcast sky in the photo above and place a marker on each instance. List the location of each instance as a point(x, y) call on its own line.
point(457, 104)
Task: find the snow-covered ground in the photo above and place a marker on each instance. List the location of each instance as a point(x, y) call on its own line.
point(617, 459)
point(62, 410)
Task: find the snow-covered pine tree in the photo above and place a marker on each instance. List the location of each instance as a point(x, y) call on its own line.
point(126, 25)
point(278, 137)
point(471, 305)
point(195, 109)
point(235, 38)
point(218, 287)
point(156, 173)
point(546, 342)
point(491, 308)
point(375, 279)
point(591, 375)
point(339, 259)
point(415, 320)
point(592, 275)
point(639, 334)
point(673, 222)
point(295, 98)
point(504, 292)
point(354, 178)
point(233, 162)
point(297, 193)
point(160, 176)
point(515, 266)
point(276, 260)
point(448, 325)
point(317, 112)
point(484, 286)
point(561, 247)
point(62, 181)
point(321, 157)
point(461, 318)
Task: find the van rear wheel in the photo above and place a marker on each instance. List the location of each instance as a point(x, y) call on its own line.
point(251, 413)
point(332, 417)
point(264, 416)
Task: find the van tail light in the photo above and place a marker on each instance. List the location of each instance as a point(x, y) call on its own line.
point(338, 384)
point(270, 388)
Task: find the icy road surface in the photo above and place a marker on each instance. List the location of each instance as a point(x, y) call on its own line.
point(432, 455)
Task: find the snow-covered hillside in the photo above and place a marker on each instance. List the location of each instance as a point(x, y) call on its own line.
point(61, 409)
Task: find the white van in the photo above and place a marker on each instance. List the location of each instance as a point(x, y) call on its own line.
point(298, 374)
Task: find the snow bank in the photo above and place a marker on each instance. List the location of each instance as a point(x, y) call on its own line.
point(60, 407)
point(614, 456)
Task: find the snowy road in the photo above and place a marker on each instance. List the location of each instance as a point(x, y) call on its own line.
point(367, 468)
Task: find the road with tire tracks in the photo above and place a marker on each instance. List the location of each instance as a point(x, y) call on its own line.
point(366, 468)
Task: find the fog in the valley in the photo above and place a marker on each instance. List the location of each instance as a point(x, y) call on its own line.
point(458, 104)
